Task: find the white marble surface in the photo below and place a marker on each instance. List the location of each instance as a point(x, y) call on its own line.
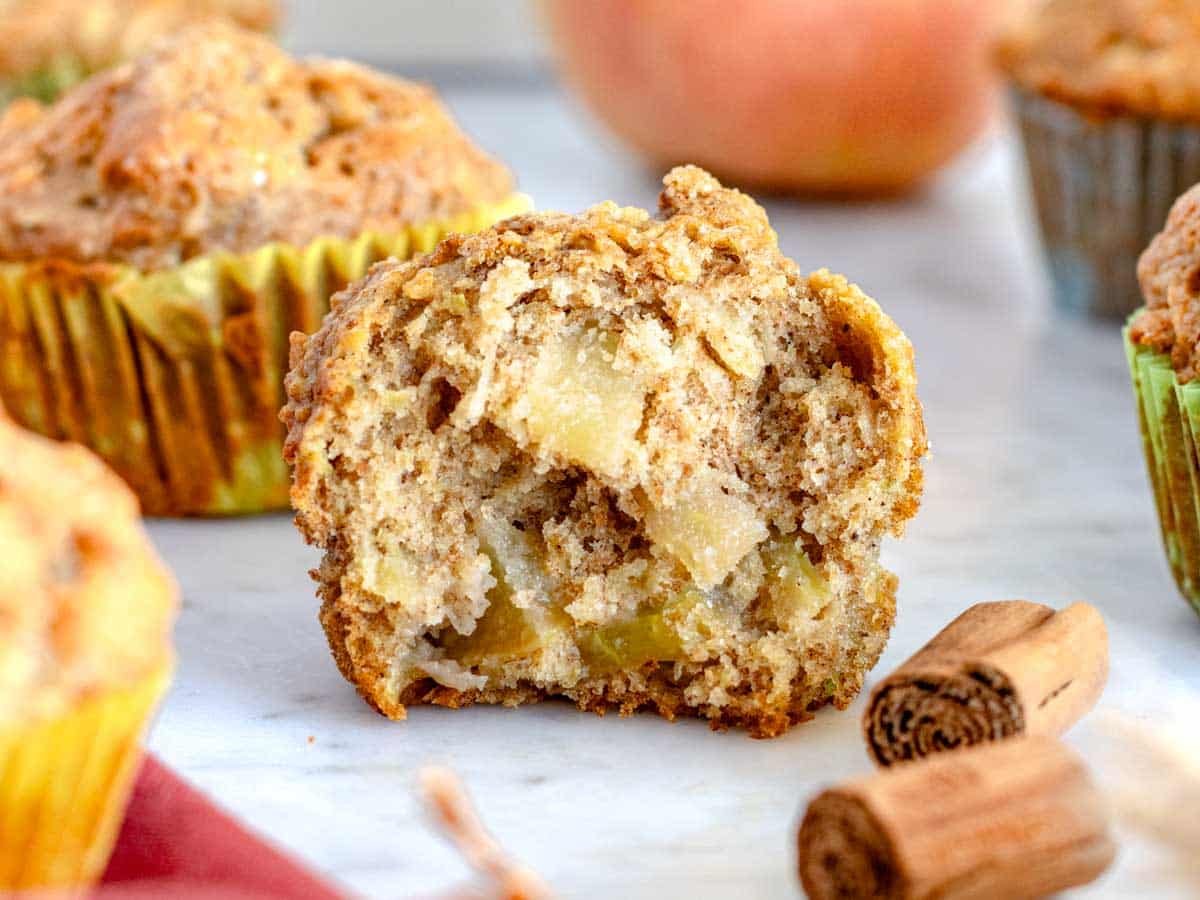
point(1035, 489)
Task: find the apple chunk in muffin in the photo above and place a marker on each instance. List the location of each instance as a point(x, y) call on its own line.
point(630, 461)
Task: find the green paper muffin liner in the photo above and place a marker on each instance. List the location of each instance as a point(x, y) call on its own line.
point(1169, 415)
point(1102, 187)
point(47, 83)
point(176, 377)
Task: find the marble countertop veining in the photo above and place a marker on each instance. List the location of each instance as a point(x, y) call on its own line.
point(1035, 489)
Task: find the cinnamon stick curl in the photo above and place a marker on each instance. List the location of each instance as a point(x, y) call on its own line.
point(1018, 819)
point(998, 670)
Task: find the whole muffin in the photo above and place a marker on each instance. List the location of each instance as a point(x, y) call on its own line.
point(1107, 94)
point(629, 461)
point(166, 225)
point(85, 616)
point(47, 46)
point(1162, 342)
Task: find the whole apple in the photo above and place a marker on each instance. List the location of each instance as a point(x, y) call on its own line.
point(803, 96)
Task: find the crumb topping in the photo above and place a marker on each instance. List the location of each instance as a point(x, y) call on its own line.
point(217, 140)
point(84, 602)
point(1109, 57)
point(552, 455)
point(1169, 272)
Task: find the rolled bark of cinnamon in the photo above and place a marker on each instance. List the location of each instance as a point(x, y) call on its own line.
point(998, 670)
point(1017, 819)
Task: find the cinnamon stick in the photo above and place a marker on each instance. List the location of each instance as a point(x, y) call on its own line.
point(1016, 819)
point(998, 670)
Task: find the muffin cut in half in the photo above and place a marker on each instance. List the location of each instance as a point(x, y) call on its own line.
point(628, 461)
point(167, 224)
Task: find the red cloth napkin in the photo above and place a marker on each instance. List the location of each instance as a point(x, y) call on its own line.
point(176, 843)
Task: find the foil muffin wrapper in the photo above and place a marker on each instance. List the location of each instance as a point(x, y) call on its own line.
point(1102, 188)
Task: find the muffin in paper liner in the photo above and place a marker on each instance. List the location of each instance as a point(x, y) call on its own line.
point(175, 377)
point(1102, 186)
point(64, 786)
point(1169, 415)
point(49, 46)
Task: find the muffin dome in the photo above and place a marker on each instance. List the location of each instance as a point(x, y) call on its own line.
point(85, 605)
point(218, 140)
point(625, 460)
point(1110, 57)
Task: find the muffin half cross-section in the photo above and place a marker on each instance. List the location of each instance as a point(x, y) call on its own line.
point(630, 461)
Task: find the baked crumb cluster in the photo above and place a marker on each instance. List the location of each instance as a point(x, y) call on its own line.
point(218, 140)
point(1169, 272)
point(84, 602)
point(627, 460)
point(1112, 57)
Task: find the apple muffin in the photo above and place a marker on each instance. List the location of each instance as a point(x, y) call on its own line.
point(625, 460)
point(1107, 99)
point(165, 226)
point(86, 610)
point(48, 46)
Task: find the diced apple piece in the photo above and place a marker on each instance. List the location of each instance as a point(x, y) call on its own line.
point(797, 589)
point(516, 555)
point(506, 632)
point(502, 634)
point(707, 530)
point(394, 576)
point(735, 343)
point(650, 636)
point(583, 408)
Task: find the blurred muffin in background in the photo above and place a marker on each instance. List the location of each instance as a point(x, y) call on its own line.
point(1162, 342)
point(85, 615)
point(47, 46)
point(1107, 95)
point(801, 96)
point(165, 226)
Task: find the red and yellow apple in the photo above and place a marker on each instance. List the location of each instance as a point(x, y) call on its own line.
point(805, 96)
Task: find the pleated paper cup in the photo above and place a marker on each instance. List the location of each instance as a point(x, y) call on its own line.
point(175, 378)
point(1102, 187)
point(1169, 416)
point(64, 785)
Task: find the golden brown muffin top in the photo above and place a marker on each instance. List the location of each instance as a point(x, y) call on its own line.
point(85, 604)
point(218, 140)
point(1109, 57)
point(1169, 272)
point(36, 35)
